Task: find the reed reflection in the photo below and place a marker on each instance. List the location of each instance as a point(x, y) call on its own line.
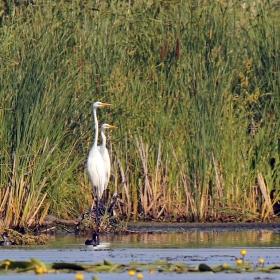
point(199, 239)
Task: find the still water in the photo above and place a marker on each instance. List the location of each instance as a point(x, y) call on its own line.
point(213, 247)
point(188, 239)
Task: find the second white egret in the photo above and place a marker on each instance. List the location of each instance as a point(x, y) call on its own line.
point(104, 152)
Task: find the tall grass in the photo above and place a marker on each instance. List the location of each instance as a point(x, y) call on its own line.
point(194, 87)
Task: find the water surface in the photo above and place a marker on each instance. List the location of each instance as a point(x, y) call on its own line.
point(188, 239)
point(213, 247)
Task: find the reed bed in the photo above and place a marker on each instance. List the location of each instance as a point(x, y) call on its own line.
point(195, 93)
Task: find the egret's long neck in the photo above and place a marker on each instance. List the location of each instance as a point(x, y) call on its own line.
point(103, 145)
point(95, 127)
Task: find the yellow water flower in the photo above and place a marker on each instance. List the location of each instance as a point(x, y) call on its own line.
point(79, 276)
point(243, 252)
point(131, 272)
point(140, 276)
point(7, 263)
point(261, 260)
point(239, 261)
point(40, 270)
point(152, 271)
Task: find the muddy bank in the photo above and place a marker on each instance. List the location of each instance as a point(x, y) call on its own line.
point(41, 236)
point(86, 224)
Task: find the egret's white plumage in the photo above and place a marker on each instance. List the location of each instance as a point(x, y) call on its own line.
point(95, 162)
point(104, 152)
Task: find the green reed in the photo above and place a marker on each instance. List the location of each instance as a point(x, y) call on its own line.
point(186, 80)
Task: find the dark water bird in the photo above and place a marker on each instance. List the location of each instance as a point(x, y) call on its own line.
point(94, 241)
point(6, 239)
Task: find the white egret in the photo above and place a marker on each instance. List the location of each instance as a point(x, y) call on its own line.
point(95, 163)
point(104, 152)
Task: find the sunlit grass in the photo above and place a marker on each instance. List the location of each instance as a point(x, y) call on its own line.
point(194, 88)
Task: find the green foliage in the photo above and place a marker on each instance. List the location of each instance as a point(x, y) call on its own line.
point(187, 79)
point(158, 266)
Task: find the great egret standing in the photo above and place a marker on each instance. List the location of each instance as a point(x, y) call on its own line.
point(95, 163)
point(104, 152)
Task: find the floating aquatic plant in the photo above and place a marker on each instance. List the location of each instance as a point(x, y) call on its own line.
point(239, 261)
point(133, 268)
point(243, 253)
point(79, 276)
point(131, 272)
point(261, 261)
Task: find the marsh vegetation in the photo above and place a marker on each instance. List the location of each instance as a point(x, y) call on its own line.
point(195, 93)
